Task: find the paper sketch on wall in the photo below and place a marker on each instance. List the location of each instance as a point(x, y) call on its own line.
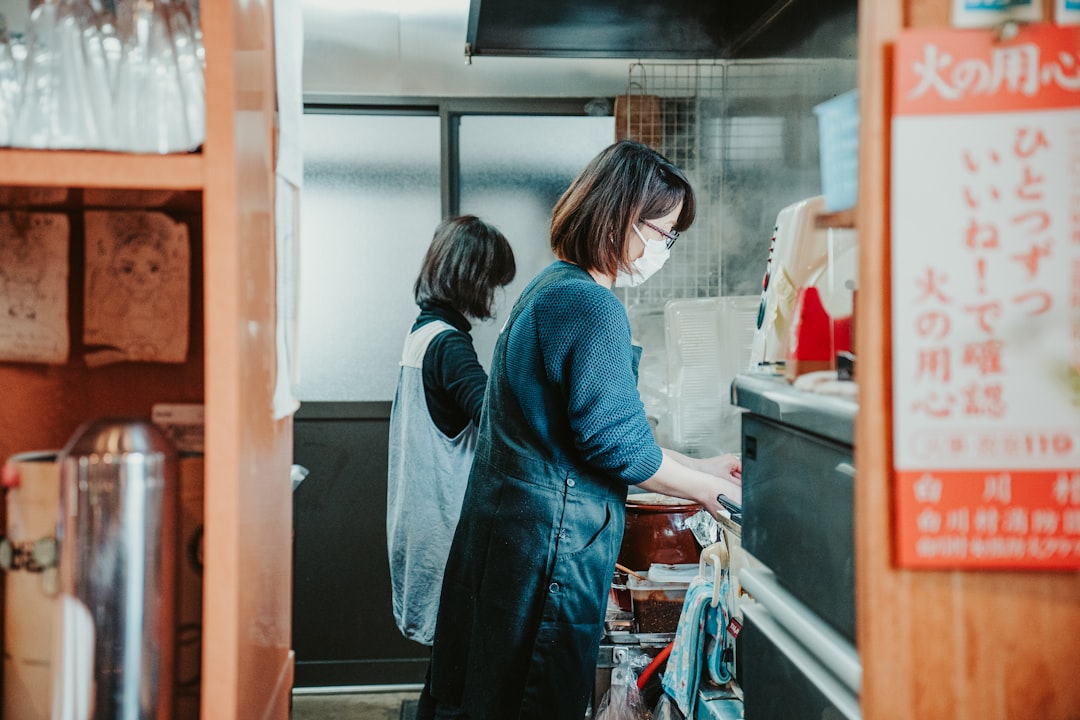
point(137, 287)
point(33, 287)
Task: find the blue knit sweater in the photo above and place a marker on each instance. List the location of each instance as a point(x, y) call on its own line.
point(573, 370)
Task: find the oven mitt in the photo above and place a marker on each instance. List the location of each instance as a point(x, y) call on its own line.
point(684, 669)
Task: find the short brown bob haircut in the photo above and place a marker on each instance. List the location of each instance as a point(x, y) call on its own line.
point(468, 259)
point(627, 182)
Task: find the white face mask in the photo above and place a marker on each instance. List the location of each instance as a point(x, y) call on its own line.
point(655, 255)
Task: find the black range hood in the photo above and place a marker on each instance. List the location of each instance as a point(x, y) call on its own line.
point(673, 29)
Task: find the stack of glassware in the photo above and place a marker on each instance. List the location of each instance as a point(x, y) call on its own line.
point(126, 77)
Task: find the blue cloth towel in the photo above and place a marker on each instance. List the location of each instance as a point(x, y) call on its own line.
point(687, 651)
point(699, 640)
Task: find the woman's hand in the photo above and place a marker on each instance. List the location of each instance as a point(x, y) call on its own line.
point(699, 480)
point(723, 466)
point(727, 473)
point(729, 466)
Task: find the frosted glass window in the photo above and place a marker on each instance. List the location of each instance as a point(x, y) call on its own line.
point(513, 168)
point(368, 208)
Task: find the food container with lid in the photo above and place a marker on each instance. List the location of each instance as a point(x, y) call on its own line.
point(656, 605)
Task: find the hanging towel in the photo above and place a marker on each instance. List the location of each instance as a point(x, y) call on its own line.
point(716, 620)
point(687, 651)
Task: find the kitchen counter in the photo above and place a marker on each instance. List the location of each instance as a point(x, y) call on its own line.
point(772, 396)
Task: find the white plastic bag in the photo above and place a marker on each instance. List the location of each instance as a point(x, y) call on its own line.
point(623, 700)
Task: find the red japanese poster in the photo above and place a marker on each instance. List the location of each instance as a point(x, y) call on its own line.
point(986, 299)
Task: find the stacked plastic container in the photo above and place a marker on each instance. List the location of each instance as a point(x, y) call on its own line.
point(708, 343)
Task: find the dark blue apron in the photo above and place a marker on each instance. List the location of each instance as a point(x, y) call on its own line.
point(527, 580)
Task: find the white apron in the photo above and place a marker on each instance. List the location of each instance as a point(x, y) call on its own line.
point(426, 479)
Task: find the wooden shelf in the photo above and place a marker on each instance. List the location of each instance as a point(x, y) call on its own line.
point(95, 169)
point(231, 369)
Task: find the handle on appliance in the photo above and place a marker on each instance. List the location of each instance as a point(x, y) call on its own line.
point(836, 692)
point(730, 505)
point(749, 447)
point(718, 557)
point(298, 473)
point(831, 648)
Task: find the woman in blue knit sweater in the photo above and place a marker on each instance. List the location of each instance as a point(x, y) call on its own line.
point(562, 435)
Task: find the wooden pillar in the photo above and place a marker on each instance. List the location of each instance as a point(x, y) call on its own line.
point(984, 645)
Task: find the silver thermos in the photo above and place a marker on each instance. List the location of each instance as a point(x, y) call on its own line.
point(117, 531)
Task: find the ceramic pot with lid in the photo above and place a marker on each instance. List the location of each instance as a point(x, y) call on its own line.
point(657, 530)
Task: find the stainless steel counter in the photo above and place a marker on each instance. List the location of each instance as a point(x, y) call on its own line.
point(773, 397)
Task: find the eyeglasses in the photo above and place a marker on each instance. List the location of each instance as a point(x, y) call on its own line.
point(669, 237)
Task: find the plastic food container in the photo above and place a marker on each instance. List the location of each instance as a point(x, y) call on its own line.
point(656, 605)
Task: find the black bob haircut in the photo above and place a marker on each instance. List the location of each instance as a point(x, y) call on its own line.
point(468, 260)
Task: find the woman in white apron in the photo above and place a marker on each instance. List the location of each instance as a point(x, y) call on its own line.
point(436, 411)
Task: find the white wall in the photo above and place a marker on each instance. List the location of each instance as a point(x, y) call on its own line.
point(416, 48)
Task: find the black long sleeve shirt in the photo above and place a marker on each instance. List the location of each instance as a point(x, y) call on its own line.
point(454, 379)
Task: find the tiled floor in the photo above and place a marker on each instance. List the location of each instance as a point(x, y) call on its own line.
point(350, 706)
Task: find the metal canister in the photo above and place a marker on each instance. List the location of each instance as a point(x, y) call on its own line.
point(118, 533)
